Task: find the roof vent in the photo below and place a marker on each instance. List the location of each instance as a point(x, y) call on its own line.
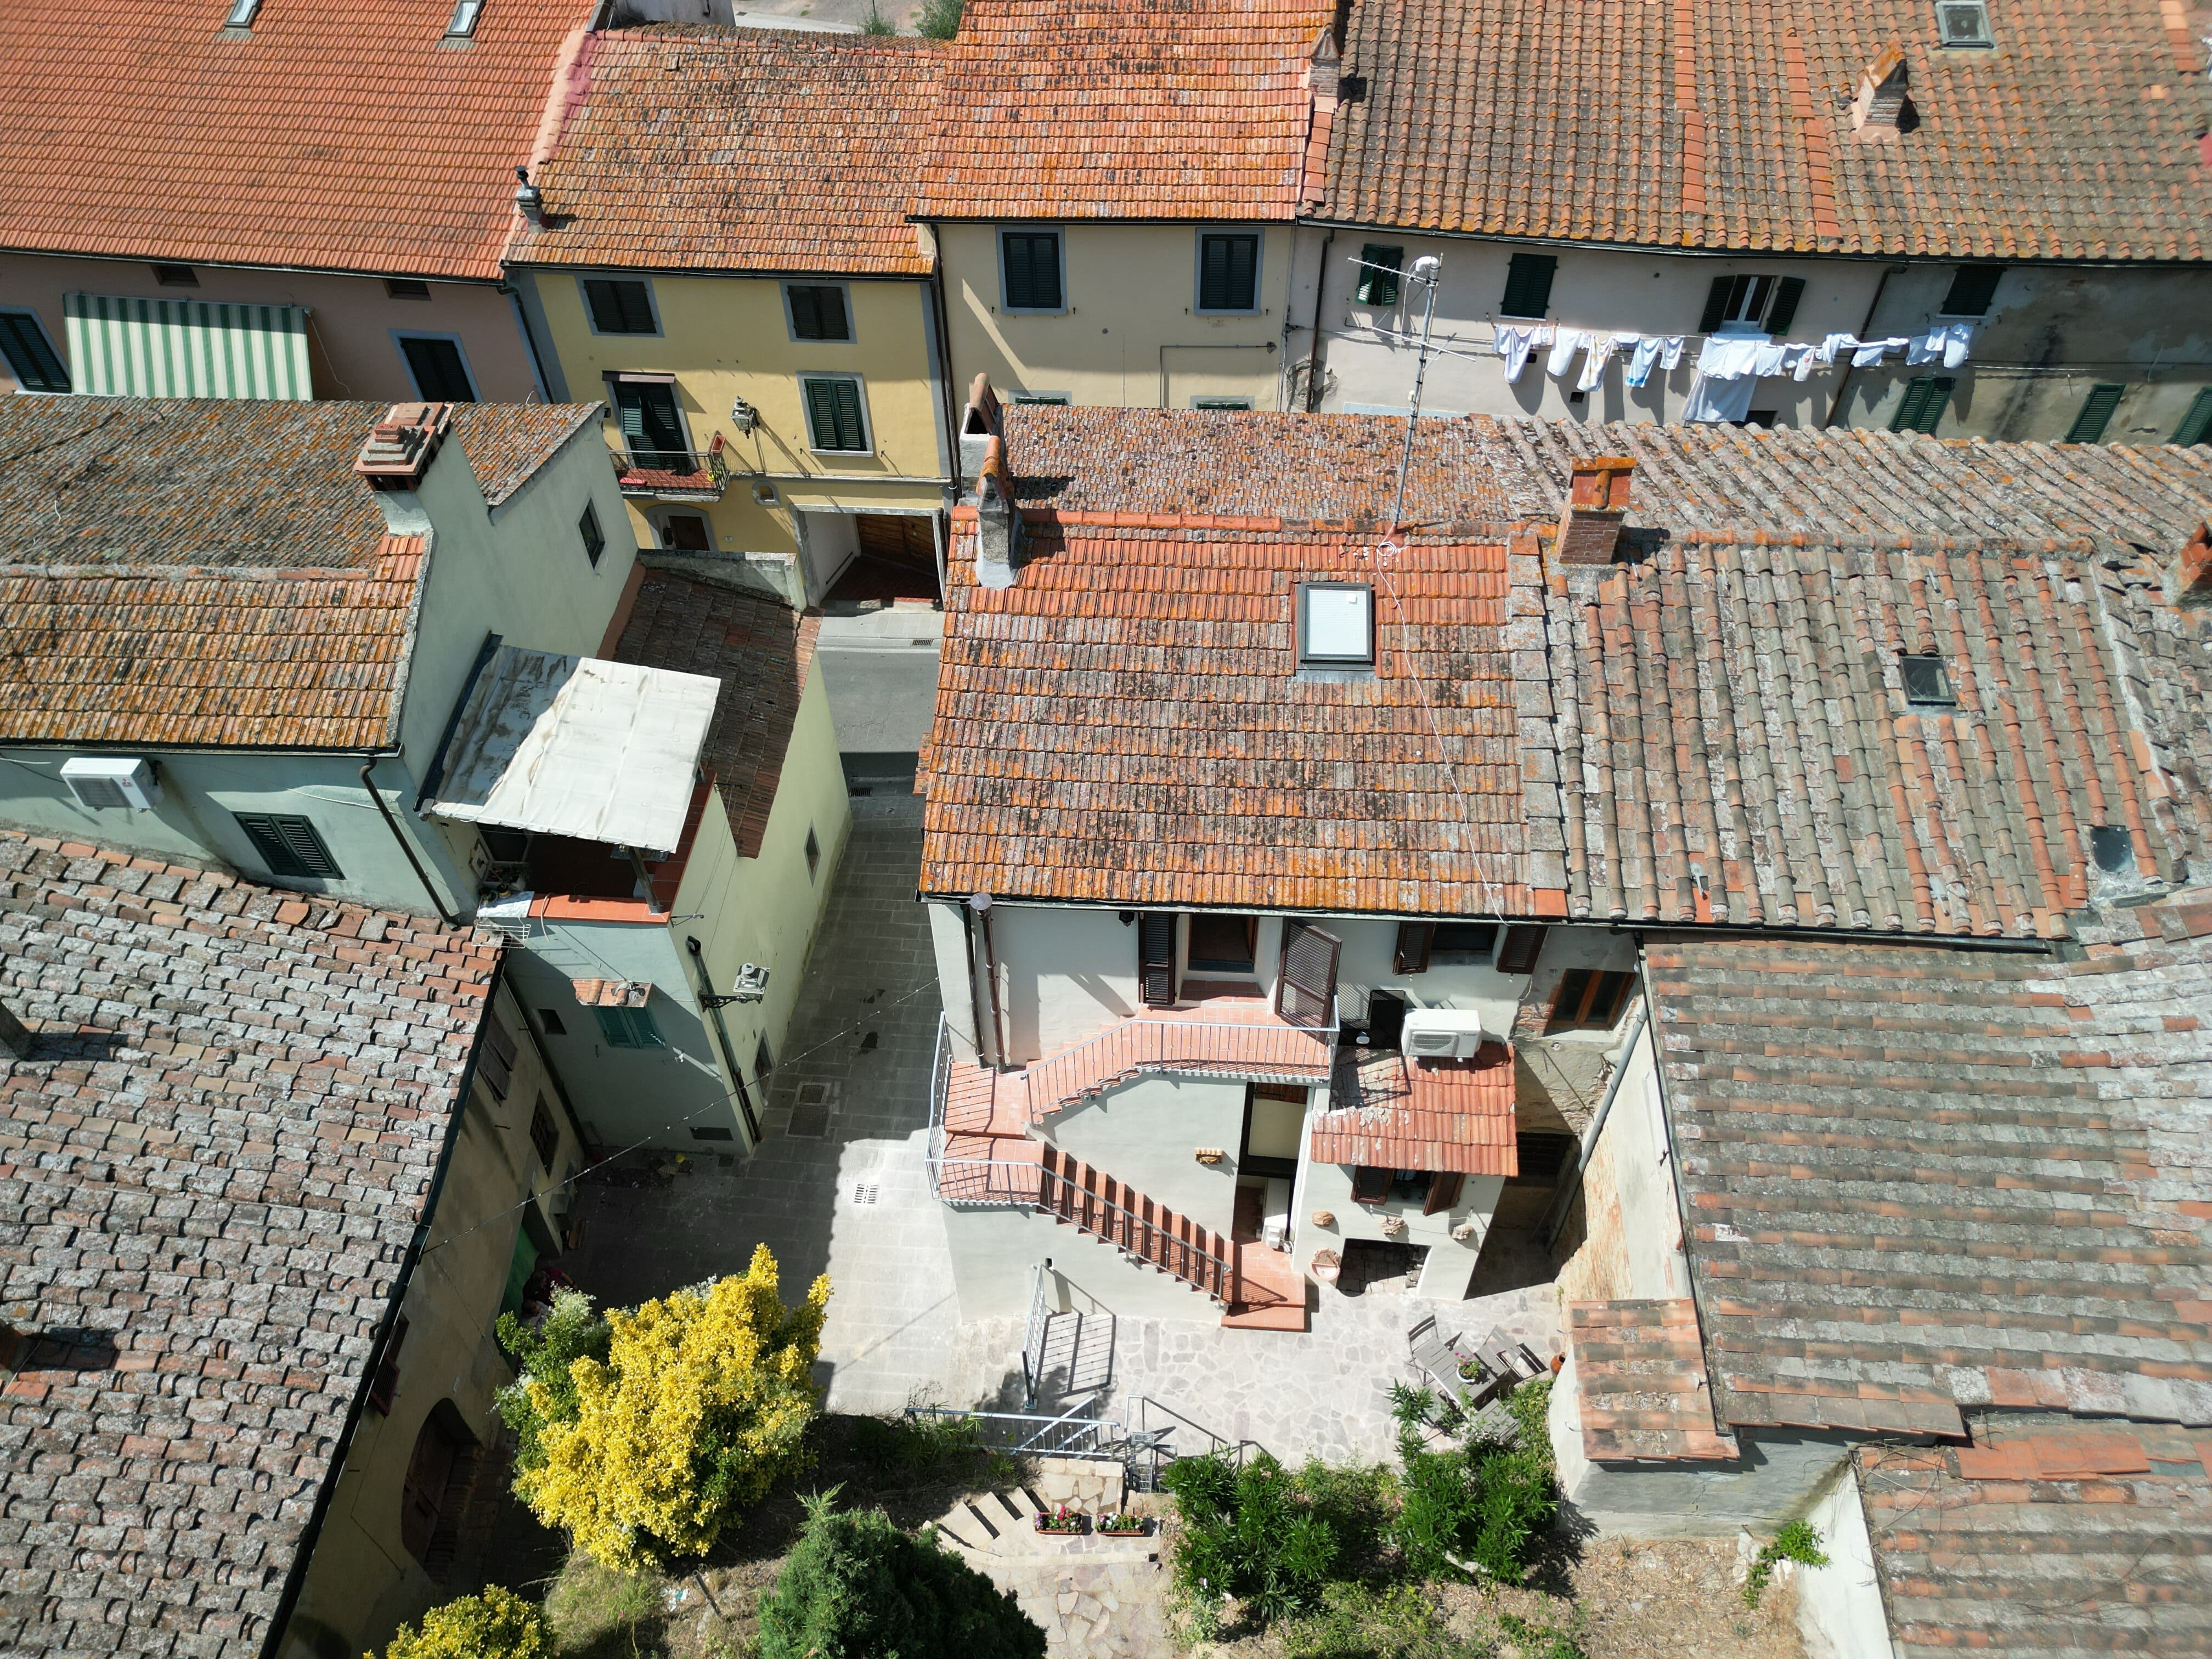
point(401, 446)
point(1880, 111)
point(1963, 23)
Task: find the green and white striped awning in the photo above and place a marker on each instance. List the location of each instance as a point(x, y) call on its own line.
point(123, 348)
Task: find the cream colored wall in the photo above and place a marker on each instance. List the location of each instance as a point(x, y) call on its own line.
point(1132, 335)
point(727, 337)
point(361, 1581)
point(1632, 1245)
point(1451, 1263)
point(1148, 1133)
point(351, 320)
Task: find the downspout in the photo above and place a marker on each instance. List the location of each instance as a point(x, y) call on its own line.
point(1844, 383)
point(979, 908)
point(1313, 350)
point(407, 846)
point(713, 1005)
point(1556, 1217)
point(297, 1579)
point(529, 341)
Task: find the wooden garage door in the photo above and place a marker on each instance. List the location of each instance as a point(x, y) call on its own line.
point(901, 538)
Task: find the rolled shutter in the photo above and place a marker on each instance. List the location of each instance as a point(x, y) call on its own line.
point(1305, 992)
point(1412, 955)
point(1784, 310)
point(1716, 300)
point(1156, 964)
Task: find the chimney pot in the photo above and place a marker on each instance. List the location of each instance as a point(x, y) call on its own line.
point(1878, 112)
point(401, 446)
point(2188, 578)
point(1597, 503)
point(979, 426)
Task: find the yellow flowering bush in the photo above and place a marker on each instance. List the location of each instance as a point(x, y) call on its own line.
point(701, 1404)
point(496, 1625)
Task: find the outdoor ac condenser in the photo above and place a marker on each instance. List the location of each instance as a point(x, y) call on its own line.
point(1442, 1033)
point(101, 783)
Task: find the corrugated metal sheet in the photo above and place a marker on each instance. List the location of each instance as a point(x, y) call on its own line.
point(130, 348)
point(560, 745)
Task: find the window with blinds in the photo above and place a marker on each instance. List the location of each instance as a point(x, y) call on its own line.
point(495, 1060)
point(2196, 426)
point(31, 356)
point(1528, 285)
point(289, 845)
point(1228, 272)
point(2096, 413)
point(1379, 280)
point(836, 418)
point(1029, 271)
point(619, 306)
point(818, 311)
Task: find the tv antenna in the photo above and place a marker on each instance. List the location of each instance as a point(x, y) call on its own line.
point(1425, 271)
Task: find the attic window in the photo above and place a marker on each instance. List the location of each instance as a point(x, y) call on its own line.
point(1926, 684)
point(2113, 848)
point(464, 21)
point(240, 15)
point(1336, 625)
point(176, 276)
point(1963, 23)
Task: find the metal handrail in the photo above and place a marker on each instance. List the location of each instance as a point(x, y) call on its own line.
point(1292, 1054)
point(1191, 1256)
point(1033, 1434)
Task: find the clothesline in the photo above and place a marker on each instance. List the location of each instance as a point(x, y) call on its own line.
point(1724, 358)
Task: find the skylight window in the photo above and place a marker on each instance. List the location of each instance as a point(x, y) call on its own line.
point(464, 21)
point(1963, 23)
point(1926, 684)
point(240, 15)
point(1336, 625)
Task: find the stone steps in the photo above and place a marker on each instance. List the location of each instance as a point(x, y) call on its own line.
point(1001, 1525)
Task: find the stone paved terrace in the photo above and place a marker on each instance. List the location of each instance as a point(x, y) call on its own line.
point(839, 1186)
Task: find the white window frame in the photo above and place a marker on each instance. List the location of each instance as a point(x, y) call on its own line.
point(1198, 306)
point(791, 321)
point(1059, 234)
point(398, 335)
point(1756, 323)
point(652, 303)
point(807, 419)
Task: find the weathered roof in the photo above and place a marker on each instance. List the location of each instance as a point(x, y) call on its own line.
point(2045, 1538)
point(212, 571)
point(1726, 126)
point(322, 137)
point(211, 1167)
point(1126, 724)
point(1150, 109)
point(1921, 1179)
point(760, 650)
point(1641, 1392)
point(740, 150)
point(1445, 1114)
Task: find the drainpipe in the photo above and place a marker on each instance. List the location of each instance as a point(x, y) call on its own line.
point(1313, 347)
point(407, 846)
point(1844, 382)
point(713, 1005)
point(981, 906)
point(1556, 1217)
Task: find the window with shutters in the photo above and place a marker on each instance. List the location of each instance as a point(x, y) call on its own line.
point(1244, 404)
point(440, 373)
point(1380, 269)
point(544, 1137)
point(593, 538)
point(619, 305)
point(1425, 945)
point(836, 413)
point(289, 846)
point(1518, 950)
point(1922, 407)
point(1306, 986)
point(2196, 426)
point(818, 310)
point(1589, 999)
point(435, 1489)
point(1972, 289)
point(31, 356)
point(496, 1060)
point(627, 1027)
point(1229, 270)
point(1156, 958)
point(2096, 413)
point(1371, 1184)
point(1029, 271)
point(1749, 304)
point(652, 424)
point(1528, 285)
point(1445, 1192)
point(1223, 944)
point(1411, 954)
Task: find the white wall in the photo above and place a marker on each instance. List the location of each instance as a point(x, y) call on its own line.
point(1147, 1132)
point(1450, 1262)
point(1839, 1607)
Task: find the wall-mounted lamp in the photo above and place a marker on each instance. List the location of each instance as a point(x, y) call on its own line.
point(743, 415)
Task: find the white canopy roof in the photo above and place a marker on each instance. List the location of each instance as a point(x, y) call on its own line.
point(574, 747)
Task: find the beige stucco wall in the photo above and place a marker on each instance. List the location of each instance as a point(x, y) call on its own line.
point(1450, 1262)
point(1132, 335)
point(351, 320)
point(361, 1581)
point(1630, 1221)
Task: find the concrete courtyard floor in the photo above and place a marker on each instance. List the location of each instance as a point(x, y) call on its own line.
point(839, 1186)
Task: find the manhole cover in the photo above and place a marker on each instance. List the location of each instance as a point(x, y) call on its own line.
point(810, 1110)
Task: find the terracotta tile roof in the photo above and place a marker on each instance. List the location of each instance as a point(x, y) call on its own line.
point(1726, 126)
point(741, 149)
point(1447, 1115)
point(1073, 109)
point(1920, 1179)
point(211, 571)
point(324, 137)
point(211, 1167)
point(2044, 1539)
point(760, 650)
point(1640, 1385)
point(1125, 724)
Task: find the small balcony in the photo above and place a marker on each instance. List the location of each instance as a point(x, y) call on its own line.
point(673, 475)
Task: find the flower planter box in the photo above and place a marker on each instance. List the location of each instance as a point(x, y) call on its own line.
point(1123, 1526)
point(1062, 1525)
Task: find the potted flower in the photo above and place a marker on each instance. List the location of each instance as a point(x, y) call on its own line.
point(1123, 1525)
point(1061, 1520)
point(1472, 1371)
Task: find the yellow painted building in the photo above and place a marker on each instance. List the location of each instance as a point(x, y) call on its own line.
point(720, 250)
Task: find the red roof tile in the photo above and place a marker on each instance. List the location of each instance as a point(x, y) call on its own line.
point(1640, 1385)
point(741, 149)
point(1448, 1115)
point(328, 136)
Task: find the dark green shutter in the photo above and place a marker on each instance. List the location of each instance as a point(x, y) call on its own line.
point(1528, 285)
point(289, 844)
point(1923, 405)
point(818, 313)
point(1379, 288)
point(2196, 426)
point(618, 306)
point(1717, 301)
point(1227, 273)
point(1972, 287)
point(1032, 269)
point(2096, 413)
point(833, 415)
point(629, 412)
point(32, 361)
point(646, 412)
point(1784, 311)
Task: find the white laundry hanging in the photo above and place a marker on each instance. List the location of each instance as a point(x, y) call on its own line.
point(1831, 344)
point(1670, 354)
point(1713, 400)
point(1954, 348)
point(1564, 344)
point(1640, 360)
point(1870, 352)
point(1602, 347)
point(1514, 346)
point(1797, 361)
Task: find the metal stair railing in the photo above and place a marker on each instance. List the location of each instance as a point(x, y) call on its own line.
point(1035, 1434)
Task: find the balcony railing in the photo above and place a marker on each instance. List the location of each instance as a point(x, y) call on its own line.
point(676, 474)
point(1263, 1049)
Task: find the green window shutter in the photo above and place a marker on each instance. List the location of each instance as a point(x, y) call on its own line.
point(1923, 405)
point(833, 415)
point(2196, 426)
point(1717, 304)
point(1379, 288)
point(30, 359)
point(2096, 413)
point(1228, 271)
point(289, 845)
point(819, 312)
point(619, 306)
point(629, 410)
point(1528, 285)
point(645, 411)
point(1031, 260)
point(1972, 289)
point(1783, 311)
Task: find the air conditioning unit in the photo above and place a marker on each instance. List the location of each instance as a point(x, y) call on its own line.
point(1442, 1033)
point(102, 782)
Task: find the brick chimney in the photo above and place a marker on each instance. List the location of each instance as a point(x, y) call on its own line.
point(997, 520)
point(1597, 502)
point(2188, 578)
point(401, 446)
point(1879, 111)
point(980, 422)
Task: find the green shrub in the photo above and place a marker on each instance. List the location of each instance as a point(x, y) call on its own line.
point(1487, 1503)
point(1799, 1541)
point(1257, 1533)
point(876, 22)
point(858, 1588)
point(1361, 1621)
point(916, 1451)
point(496, 1625)
point(543, 1353)
point(937, 19)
